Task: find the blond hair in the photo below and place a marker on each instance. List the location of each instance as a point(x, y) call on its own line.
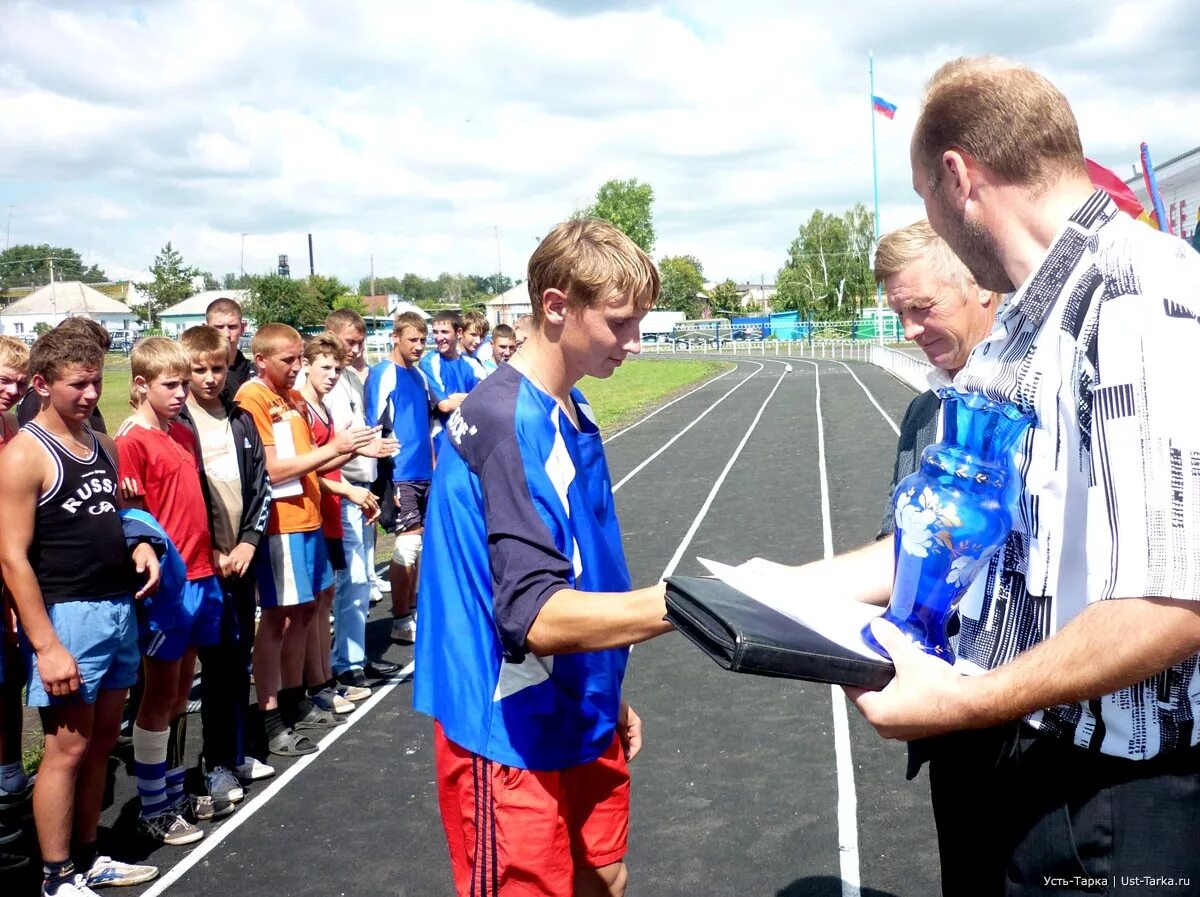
point(270, 337)
point(898, 249)
point(341, 318)
point(409, 319)
point(475, 322)
point(591, 261)
point(204, 342)
point(325, 344)
point(1001, 114)
point(14, 353)
point(154, 357)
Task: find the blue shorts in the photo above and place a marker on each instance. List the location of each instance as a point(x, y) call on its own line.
point(102, 636)
point(195, 621)
point(291, 568)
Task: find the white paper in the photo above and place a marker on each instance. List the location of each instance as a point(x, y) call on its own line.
point(776, 586)
point(285, 447)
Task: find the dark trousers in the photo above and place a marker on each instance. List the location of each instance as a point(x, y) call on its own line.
point(1021, 814)
point(225, 678)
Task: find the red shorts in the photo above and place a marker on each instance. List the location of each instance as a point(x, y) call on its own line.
point(518, 831)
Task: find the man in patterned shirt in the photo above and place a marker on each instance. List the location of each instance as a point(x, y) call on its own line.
point(1075, 748)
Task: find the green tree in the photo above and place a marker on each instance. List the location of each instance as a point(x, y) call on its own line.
point(351, 301)
point(210, 282)
point(41, 328)
point(828, 272)
point(172, 281)
point(725, 296)
point(27, 265)
point(233, 281)
point(273, 298)
point(682, 283)
point(629, 205)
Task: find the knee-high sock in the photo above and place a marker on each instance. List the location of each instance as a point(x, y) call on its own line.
point(150, 768)
point(175, 760)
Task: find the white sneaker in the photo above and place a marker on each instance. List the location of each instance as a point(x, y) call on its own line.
point(205, 807)
point(376, 595)
point(107, 873)
point(253, 770)
point(223, 785)
point(404, 631)
point(381, 583)
point(76, 887)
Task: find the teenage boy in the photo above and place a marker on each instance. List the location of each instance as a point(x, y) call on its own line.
point(324, 358)
point(449, 374)
point(15, 786)
point(504, 344)
point(527, 608)
point(160, 473)
point(30, 405)
point(73, 590)
point(225, 316)
point(471, 341)
point(292, 565)
point(399, 399)
point(354, 585)
point(238, 494)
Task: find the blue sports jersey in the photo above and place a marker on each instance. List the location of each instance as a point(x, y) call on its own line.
point(521, 506)
point(448, 377)
point(397, 398)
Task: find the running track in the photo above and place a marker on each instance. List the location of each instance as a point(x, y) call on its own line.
point(746, 786)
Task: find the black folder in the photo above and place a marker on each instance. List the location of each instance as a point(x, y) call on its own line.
point(745, 636)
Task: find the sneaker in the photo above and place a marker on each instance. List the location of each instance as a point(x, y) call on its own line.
point(381, 583)
point(313, 717)
point(18, 796)
point(74, 887)
point(109, 873)
point(223, 785)
point(353, 693)
point(328, 699)
point(376, 595)
point(205, 807)
point(170, 828)
point(404, 631)
point(253, 770)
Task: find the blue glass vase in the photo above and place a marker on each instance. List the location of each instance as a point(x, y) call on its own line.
point(952, 514)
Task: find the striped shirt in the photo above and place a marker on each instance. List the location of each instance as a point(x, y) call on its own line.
point(1102, 341)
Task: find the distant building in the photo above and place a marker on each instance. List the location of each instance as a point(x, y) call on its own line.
point(750, 295)
point(55, 302)
point(1179, 184)
point(509, 305)
point(190, 312)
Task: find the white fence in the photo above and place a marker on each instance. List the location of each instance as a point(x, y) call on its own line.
point(904, 366)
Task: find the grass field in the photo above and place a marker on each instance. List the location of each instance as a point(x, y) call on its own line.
point(634, 386)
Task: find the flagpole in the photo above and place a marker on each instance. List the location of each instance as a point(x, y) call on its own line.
point(875, 176)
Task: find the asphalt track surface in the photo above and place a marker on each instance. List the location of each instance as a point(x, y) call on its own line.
point(745, 785)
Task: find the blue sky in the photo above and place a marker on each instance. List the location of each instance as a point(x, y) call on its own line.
point(414, 132)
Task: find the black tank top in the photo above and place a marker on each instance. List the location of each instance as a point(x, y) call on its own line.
point(78, 550)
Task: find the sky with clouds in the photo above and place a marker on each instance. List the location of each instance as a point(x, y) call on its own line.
point(450, 135)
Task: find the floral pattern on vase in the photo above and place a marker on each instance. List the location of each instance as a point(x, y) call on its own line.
point(952, 514)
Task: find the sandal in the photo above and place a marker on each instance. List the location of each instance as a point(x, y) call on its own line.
point(289, 743)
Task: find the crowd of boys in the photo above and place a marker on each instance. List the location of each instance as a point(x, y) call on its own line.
point(230, 519)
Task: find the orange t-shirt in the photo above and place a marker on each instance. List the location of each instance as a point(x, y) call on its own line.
point(299, 513)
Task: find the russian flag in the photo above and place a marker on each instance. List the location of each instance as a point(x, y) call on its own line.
point(883, 107)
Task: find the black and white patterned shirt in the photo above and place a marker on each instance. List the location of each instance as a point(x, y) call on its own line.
point(1103, 343)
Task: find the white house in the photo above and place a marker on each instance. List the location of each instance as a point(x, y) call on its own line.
point(509, 305)
point(190, 312)
point(55, 302)
point(1179, 184)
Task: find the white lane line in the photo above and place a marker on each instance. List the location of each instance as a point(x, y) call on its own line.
point(887, 417)
point(629, 476)
point(847, 799)
point(214, 837)
point(712, 494)
point(669, 404)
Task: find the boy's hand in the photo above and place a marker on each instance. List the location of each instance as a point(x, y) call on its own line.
point(146, 561)
point(354, 439)
point(366, 500)
point(58, 672)
point(129, 488)
point(629, 730)
point(383, 447)
point(238, 560)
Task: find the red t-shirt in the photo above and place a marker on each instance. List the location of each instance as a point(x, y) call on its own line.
point(331, 505)
point(166, 477)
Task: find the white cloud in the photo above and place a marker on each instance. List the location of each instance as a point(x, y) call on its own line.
point(408, 131)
